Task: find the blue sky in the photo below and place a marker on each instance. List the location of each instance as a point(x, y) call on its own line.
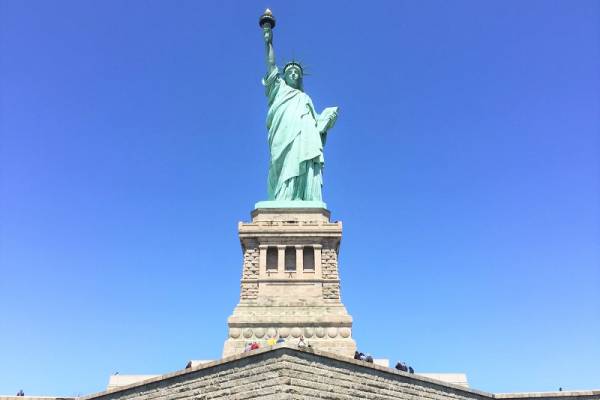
point(465, 166)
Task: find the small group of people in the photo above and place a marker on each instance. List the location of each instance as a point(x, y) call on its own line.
point(20, 393)
point(401, 366)
point(302, 343)
point(251, 346)
point(272, 341)
point(363, 357)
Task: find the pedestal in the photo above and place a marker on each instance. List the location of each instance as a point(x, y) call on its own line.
point(290, 284)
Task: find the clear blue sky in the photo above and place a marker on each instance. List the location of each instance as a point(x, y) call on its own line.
point(465, 166)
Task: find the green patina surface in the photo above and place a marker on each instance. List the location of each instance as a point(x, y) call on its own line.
point(290, 204)
point(297, 135)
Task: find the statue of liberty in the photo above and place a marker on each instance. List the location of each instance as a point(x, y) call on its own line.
point(297, 133)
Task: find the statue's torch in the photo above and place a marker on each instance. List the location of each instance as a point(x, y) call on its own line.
point(267, 20)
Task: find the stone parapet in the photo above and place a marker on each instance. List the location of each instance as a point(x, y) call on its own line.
point(557, 395)
point(288, 372)
point(269, 223)
point(36, 398)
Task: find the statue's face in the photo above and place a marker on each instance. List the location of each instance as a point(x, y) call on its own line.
point(293, 76)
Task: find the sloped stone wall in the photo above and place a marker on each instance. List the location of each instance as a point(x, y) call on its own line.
point(310, 378)
point(282, 372)
point(248, 378)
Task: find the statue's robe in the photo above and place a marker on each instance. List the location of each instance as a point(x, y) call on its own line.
point(295, 142)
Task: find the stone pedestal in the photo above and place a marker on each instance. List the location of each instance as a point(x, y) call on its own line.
point(290, 283)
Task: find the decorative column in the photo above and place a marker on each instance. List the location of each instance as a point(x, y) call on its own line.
point(299, 261)
point(280, 260)
point(318, 261)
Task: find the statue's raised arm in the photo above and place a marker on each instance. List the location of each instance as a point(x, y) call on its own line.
point(297, 132)
point(267, 22)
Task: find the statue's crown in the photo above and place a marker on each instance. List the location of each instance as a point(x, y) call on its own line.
point(293, 64)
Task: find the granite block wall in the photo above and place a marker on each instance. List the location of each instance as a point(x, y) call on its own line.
point(283, 372)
